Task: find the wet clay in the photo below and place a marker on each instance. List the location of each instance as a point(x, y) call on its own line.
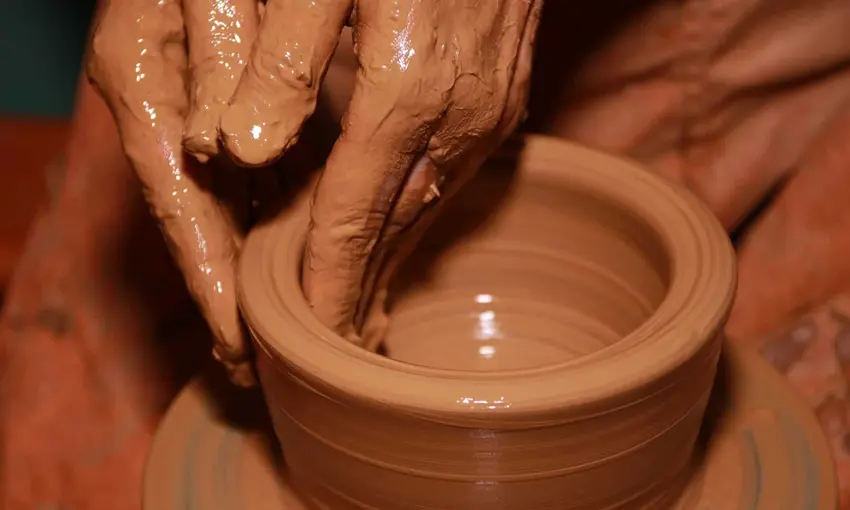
point(534, 353)
point(439, 85)
point(761, 449)
point(138, 62)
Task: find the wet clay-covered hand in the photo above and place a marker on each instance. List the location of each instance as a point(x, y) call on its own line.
point(738, 101)
point(440, 83)
point(139, 63)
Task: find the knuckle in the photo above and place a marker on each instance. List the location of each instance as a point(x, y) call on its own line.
point(415, 93)
point(482, 105)
point(393, 112)
point(482, 118)
point(424, 91)
point(106, 35)
point(101, 53)
point(489, 119)
point(105, 59)
point(289, 69)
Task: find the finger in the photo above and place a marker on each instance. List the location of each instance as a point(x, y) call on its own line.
point(454, 153)
point(220, 34)
point(137, 62)
point(414, 210)
point(394, 108)
point(420, 202)
point(278, 90)
point(356, 192)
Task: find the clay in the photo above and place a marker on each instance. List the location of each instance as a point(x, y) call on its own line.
point(439, 85)
point(563, 332)
point(762, 446)
point(138, 63)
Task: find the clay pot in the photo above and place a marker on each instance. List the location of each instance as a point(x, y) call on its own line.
point(552, 345)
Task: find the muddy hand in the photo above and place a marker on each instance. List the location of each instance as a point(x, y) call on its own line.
point(138, 62)
point(440, 84)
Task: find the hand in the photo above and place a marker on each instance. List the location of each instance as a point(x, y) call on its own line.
point(440, 84)
point(138, 62)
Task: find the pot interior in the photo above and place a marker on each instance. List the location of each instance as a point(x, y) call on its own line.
point(522, 272)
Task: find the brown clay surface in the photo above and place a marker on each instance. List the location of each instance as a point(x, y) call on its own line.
point(522, 367)
point(761, 450)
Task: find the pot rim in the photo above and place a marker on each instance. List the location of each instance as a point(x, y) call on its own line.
point(700, 293)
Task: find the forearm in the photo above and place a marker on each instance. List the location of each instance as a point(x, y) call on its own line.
point(84, 380)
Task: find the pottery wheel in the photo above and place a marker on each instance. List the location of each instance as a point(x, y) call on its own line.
point(761, 450)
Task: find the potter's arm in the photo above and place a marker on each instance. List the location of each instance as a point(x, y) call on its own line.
point(95, 334)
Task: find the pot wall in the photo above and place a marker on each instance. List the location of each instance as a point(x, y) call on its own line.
point(343, 453)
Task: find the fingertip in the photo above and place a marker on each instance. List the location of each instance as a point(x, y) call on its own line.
point(240, 369)
point(277, 92)
point(199, 153)
point(200, 137)
point(251, 138)
point(241, 374)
